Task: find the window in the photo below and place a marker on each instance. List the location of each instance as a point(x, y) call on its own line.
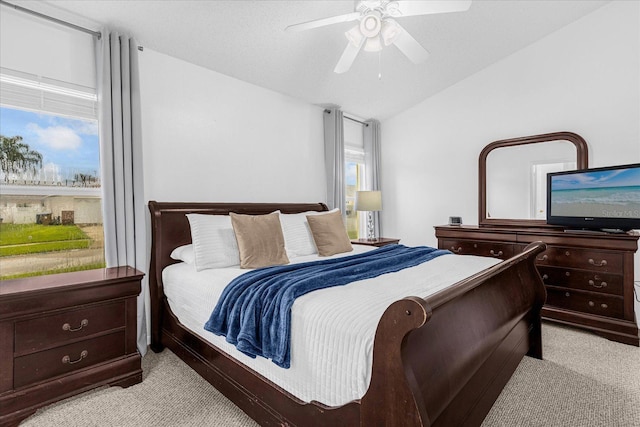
point(354, 177)
point(50, 184)
point(539, 173)
point(50, 198)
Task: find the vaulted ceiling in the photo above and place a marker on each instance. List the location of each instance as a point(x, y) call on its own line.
point(246, 40)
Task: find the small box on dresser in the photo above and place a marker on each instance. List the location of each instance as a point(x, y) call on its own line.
point(64, 334)
point(588, 276)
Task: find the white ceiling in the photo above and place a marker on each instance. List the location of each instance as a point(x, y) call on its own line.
point(245, 39)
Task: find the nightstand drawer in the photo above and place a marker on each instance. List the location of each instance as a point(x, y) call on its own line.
point(470, 247)
point(582, 279)
point(45, 332)
point(602, 261)
point(586, 302)
point(61, 360)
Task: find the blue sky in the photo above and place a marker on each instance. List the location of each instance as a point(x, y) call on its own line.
point(598, 179)
point(71, 144)
point(351, 174)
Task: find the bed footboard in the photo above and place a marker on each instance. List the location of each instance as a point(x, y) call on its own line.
point(488, 321)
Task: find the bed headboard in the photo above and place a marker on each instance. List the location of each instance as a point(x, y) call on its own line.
point(170, 229)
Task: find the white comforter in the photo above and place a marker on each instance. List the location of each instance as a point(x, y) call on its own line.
point(332, 330)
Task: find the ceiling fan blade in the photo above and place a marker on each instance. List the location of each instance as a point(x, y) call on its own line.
point(410, 47)
point(348, 56)
point(412, 8)
point(322, 22)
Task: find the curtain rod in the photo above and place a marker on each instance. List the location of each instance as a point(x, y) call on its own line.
point(344, 116)
point(51, 18)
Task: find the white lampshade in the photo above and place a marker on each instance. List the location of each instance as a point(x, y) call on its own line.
point(373, 44)
point(369, 201)
point(390, 31)
point(354, 36)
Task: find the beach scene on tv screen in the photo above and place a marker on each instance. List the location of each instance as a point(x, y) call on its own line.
point(602, 194)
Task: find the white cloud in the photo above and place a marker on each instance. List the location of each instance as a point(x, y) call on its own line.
point(56, 137)
point(86, 127)
point(83, 127)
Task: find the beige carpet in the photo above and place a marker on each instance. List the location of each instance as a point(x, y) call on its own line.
point(584, 380)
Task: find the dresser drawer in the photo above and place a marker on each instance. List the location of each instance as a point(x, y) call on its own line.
point(62, 360)
point(48, 331)
point(601, 261)
point(582, 279)
point(471, 247)
point(586, 302)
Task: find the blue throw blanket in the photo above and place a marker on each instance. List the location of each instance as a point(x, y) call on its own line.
point(254, 311)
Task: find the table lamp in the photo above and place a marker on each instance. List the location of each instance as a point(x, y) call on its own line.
point(369, 201)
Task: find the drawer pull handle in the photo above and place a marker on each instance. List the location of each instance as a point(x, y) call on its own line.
point(604, 306)
point(67, 327)
point(67, 359)
point(591, 303)
point(456, 251)
point(567, 294)
point(545, 277)
point(544, 258)
point(595, 285)
point(495, 254)
point(601, 264)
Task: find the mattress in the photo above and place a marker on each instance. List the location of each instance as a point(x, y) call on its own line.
point(332, 330)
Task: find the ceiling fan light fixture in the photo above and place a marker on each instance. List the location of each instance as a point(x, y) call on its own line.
point(390, 31)
point(354, 36)
point(373, 44)
point(370, 25)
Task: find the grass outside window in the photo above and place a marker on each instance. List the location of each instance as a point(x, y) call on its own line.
point(19, 239)
point(23, 240)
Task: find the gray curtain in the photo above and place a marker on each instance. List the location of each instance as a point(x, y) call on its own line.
point(372, 164)
point(334, 158)
point(121, 161)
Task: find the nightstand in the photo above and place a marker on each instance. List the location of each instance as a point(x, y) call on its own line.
point(63, 334)
point(379, 241)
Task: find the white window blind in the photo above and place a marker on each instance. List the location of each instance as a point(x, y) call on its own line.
point(353, 137)
point(46, 67)
point(353, 154)
point(31, 92)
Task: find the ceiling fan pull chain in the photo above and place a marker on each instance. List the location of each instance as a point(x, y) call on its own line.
point(379, 65)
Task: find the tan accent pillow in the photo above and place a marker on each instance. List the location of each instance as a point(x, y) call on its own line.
point(329, 233)
point(260, 240)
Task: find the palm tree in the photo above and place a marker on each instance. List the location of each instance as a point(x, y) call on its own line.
point(16, 156)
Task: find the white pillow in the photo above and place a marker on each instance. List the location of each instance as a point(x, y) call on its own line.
point(298, 240)
point(214, 242)
point(184, 253)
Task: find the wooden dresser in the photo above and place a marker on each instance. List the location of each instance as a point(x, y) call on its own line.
point(64, 334)
point(588, 276)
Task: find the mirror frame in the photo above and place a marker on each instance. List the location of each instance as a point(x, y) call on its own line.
point(582, 162)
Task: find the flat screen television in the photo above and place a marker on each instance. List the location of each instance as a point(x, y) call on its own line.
point(595, 199)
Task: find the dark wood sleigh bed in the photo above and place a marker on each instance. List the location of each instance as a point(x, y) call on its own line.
point(437, 361)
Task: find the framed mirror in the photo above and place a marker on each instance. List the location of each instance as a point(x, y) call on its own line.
point(512, 176)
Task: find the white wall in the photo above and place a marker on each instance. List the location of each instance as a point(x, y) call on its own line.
point(209, 137)
point(584, 78)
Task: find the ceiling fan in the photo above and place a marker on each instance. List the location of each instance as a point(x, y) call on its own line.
point(378, 28)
